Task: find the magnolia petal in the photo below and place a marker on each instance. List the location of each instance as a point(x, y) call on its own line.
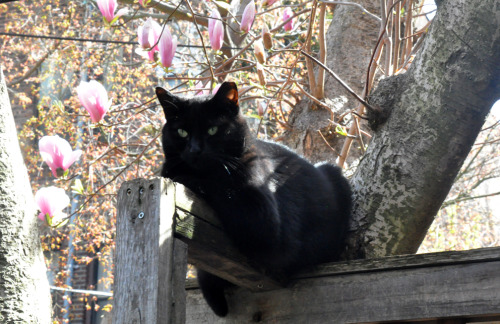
point(94, 98)
point(57, 153)
point(51, 201)
point(287, 14)
point(121, 12)
point(143, 35)
point(248, 17)
point(166, 47)
point(216, 30)
point(71, 158)
point(107, 8)
point(217, 36)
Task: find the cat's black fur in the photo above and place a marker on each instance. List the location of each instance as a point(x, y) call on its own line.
point(278, 209)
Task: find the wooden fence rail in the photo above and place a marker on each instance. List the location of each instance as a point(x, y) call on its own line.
point(161, 226)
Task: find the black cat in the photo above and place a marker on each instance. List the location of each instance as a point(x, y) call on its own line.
point(278, 209)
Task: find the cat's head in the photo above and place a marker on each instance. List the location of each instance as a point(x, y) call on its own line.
point(205, 132)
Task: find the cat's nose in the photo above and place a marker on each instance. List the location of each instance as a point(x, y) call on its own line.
point(194, 147)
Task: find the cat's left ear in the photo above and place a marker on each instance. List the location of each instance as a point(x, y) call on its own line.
point(169, 102)
point(228, 91)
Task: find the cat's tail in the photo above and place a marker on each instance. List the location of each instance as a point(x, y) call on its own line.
point(341, 186)
point(212, 288)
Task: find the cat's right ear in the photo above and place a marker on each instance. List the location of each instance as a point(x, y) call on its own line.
point(169, 102)
point(228, 91)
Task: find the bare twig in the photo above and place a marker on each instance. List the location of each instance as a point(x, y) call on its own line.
point(320, 84)
point(309, 65)
point(342, 83)
point(328, 144)
point(457, 200)
point(347, 3)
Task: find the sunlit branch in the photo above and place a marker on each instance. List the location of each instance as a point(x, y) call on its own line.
point(170, 10)
point(353, 4)
point(308, 45)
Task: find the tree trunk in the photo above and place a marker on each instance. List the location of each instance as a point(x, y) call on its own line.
point(436, 111)
point(350, 37)
point(24, 289)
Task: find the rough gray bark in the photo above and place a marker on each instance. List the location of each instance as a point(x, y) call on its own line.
point(350, 37)
point(436, 111)
point(24, 289)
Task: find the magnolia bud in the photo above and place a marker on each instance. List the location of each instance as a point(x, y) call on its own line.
point(262, 76)
point(287, 14)
point(266, 37)
point(248, 17)
point(258, 50)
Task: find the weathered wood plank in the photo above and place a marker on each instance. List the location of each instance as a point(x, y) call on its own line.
point(149, 265)
point(422, 292)
point(208, 247)
point(400, 262)
point(178, 282)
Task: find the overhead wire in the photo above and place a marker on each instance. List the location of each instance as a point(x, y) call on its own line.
point(77, 39)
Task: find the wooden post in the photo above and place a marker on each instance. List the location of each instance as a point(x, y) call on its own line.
point(150, 265)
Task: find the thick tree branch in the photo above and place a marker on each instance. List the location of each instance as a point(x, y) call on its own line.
point(437, 109)
point(169, 10)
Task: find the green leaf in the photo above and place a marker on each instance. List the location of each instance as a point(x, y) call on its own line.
point(61, 223)
point(59, 105)
point(77, 187)
point(341, 130)
point(114, 20)
point(48, 219)
point(255, 116)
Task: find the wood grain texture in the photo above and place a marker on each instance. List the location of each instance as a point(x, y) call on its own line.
point(464, 287)
point(147, 286)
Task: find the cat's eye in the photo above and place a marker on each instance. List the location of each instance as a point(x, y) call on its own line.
point(182, 133)
point(212, 130)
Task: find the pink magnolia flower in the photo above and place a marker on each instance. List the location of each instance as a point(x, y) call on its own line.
point(248, 17)
point(57, 153)
point(167, 46)
point(94, 97)
point(216, 30)
point(287, 14)
point(108, 7)
point(51, 201)
point(148, 35)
